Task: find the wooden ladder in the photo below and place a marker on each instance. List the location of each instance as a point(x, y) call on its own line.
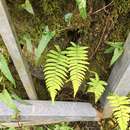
point(44, 112)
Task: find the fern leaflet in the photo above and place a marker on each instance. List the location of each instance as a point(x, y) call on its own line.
point(55, 71)
point(96, 86)
point(120, 110)
point(77, 59)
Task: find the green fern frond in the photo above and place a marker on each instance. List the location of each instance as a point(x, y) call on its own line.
point(96, 86)
point(55, 71)
point(121, 110)
point(77, 59)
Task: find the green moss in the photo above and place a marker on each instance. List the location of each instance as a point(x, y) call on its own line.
point(121, 29)
point(51, 13)
point(123, 6)
point(120, 8)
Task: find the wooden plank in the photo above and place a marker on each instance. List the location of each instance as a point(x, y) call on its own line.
point(22, 123)
point(119, 80)
point(44, 112)
point(9, 37)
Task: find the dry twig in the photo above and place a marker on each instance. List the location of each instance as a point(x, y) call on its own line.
point(102, 8)
point(103, 36)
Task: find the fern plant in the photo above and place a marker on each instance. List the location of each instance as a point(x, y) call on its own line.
point(77, 60)
point(55, 71)
point(120, 110)
point(96, 86)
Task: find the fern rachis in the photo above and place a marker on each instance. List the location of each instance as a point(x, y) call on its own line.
point(77, 59)
point(55, 71)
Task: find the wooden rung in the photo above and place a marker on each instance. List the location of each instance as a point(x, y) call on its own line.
point(44, 112)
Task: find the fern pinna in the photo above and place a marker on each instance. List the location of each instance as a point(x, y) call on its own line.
point(121, 110)
point(55, 71)
point(96, 86)
point(77, 60)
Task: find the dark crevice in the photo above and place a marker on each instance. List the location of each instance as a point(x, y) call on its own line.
point(73, 35)
point(107, 2)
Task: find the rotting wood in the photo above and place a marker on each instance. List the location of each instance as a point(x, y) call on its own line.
point(118, 81)
point(9, 37)
point(44, 112)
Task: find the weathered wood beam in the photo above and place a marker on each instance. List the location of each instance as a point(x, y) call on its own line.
point(29, 123)
point(9, 37)
point(119, 80)
point(44, 112)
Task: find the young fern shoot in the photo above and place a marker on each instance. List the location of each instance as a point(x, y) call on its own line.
point(120, 110)
point(55, 71)
point(96, 86)
point(77, 59)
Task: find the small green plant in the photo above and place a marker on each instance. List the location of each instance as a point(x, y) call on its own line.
point(117, 49)
point(96, 86)
point(61, 126)
point(68, 17)
point(45, 39)
point(5, 97)
point(55, 71)
point(28, 7)
point(77, 60)
point(82, 8)
point(5, 69)
point(120, 110)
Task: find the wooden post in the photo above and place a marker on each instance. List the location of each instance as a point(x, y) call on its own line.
point(44, 112)
point(9, 37)
point(119, 80)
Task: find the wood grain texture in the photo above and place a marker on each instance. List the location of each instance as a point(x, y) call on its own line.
point(45, 112)
point(9, 37)
point(119, 80)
